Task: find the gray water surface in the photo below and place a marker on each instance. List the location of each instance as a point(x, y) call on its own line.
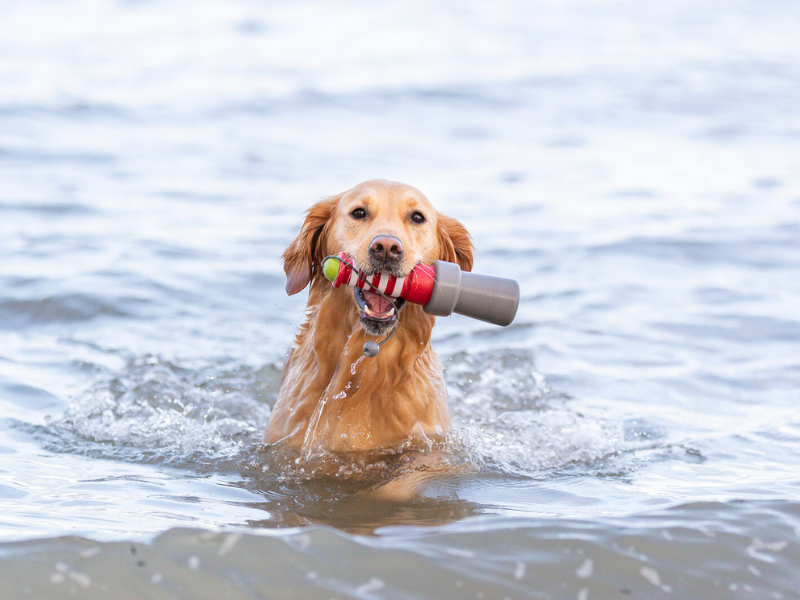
point(636, 167)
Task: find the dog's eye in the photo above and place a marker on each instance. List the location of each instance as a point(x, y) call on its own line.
point(418, 217)
point(358, 213)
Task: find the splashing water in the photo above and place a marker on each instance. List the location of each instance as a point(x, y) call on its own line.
point(358, 361)
point(158, 411)
point(505, 417)
point(509, 419)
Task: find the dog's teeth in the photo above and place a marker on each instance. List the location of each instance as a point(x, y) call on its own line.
point(372, 314)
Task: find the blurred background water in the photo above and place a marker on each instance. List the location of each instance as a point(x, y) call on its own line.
point(635, 166)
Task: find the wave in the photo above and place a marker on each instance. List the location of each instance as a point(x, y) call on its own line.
point(64, 308)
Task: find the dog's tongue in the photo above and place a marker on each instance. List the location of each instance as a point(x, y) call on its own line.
point(378, 305)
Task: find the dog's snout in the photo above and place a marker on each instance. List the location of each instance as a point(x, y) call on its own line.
point(386, 248)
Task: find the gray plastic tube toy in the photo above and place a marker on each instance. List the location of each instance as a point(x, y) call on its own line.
point(483, 297)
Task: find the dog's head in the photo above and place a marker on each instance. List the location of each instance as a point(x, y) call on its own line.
point(387, 227)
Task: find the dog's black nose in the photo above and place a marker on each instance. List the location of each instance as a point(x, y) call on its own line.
point(386, 248)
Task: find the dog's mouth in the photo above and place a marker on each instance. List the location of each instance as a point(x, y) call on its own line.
point(377, 308)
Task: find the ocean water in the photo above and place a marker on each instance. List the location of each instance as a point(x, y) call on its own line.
point(635, 166)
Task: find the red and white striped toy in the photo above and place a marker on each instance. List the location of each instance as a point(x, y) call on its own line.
point(415, 287)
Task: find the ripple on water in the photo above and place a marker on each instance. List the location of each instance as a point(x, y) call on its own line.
point(64, 308)
point(705, 557)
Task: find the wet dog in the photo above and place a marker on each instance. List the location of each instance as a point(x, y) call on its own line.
point(333, 398)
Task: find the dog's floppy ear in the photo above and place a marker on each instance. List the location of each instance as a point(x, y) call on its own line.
point(301, 259)
point(455, 244)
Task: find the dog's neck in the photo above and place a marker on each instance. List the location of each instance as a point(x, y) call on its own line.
point(348, 401)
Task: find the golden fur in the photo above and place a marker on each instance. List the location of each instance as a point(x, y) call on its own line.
point(331, 397)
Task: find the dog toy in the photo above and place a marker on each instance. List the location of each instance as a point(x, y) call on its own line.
point(441, 288)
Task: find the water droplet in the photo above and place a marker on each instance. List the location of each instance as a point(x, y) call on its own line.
point(81, 579)
point(652, 576)
point(227, 545)
point(373, 585)
point(355, 364)
point(585, 570)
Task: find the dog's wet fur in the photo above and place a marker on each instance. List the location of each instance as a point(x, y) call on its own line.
point(332, 398)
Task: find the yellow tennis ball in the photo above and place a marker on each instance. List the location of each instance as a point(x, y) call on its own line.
point(330, 268)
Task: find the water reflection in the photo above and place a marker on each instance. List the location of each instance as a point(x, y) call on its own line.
point(352, 508)
point(359, 492)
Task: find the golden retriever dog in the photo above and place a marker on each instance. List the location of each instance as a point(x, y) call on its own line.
point(333, 398)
